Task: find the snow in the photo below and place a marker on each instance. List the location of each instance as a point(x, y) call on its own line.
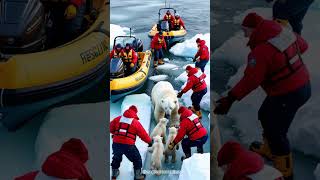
point(166, 59)
point(306, 124)
point(317, 172)
point(116, 30)
point(167, 66)
point(86, 122)
point(189, 48)
point(196, 167)
point(143, 103)
point(186, 98)
point(157, 78)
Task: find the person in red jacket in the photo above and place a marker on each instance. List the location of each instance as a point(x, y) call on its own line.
point(116, 52)
point(196, 82)
point(67, 163)
point(158, 43)
point(168, 17)
point(275, 64)
point(202, 56)
point(191, 126)
point(177, 23)
point(124, 130)
point(130, 59)
point(241, 164)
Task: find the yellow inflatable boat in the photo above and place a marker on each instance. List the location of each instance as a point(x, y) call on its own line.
point(33, 82)
point(171, 36)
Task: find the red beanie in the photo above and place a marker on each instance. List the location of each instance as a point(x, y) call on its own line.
point(133, 108)
point(188, 68)
point(229, 152)
point(65, 165)
point(198, 40)
point(77, 148)
point(252, 20)
point(182, 109)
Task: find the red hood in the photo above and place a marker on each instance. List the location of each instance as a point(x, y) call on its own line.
point(77, 148)
point(265, 31)
point(202, 42)
point(192, 71)
point(130, 114)
point(186, 113)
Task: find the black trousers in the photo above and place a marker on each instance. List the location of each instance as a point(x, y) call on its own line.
point(293, 11)
point(276, 115)
point(187, 144)
point(196, 98)
point(130, 151)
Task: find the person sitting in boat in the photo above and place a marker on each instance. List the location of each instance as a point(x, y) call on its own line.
point(130, 59)
point(168, 17)
point(116, 52)
point(157, 44)
point(177, 23)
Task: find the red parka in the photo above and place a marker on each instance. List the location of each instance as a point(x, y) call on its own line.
point(203, 51)
point(272, 46)
point(131, 56)
point(125, 128)
point(158, 43)
point(196, 81)
point(168, 17)
point(115, 54)
point(177, 22)
point(189, 125)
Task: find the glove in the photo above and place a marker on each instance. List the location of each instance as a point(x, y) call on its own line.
point(224, 104)
point(131, 65)
point(179, 94)
point(171, 146)
point(70, 12)
point(194, 59)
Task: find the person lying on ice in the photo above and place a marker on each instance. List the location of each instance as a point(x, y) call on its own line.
point(241, 164)
point(67, 163)
point(124, 130)
point(275, 64)
point(292, 11)
point(130, 59)
point(191, 126)
point(116, 52)
point(158, 43)
point(202, 56)
point(196, 82)
point(177, 23)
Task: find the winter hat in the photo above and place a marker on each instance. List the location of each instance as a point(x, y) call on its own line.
point(252, 20)
point(65, 165)
point(198, 40)
point(188, 68)
point(182, 109)
point(77, 148)
point(228, 153)
point(133, 108)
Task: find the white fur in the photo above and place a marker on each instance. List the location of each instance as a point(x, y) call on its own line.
point(165, 101)
point(157, 150)
point(160, 129)
point(172, 134)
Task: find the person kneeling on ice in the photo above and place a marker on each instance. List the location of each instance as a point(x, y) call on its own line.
point(196, 82)
point(177, 23)
point(130, 59)
point(116, 52)
point(191, 126)
point(241, 164)
point(124, 130)
point(67, 163)
point(274, 63)
point(202, 56)
point(158, 43)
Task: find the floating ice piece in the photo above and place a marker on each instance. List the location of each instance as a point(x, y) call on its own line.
point(157, 78)
point(196, 167)
point(166, 66)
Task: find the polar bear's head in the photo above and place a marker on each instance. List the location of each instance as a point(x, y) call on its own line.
point(157, 139)
point(172, 130)
point(164, 121)
point(169, 104)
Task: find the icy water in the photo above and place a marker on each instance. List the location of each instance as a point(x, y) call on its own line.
point(141, 16)
point(223, 29)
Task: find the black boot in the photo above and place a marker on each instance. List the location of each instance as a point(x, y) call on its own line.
point(138, 175)
point(115, 173)
point(185, 157)
point(200, 149)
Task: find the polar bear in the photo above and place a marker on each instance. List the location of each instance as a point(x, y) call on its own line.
point(160, 129)
point(157, 150)
point(165, 102)
point(172, 134)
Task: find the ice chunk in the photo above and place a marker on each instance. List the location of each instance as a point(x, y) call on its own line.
point(189, 47)
point(86, 122)
point(166, 59)
point(167, 66)
point(157, 78)
point(196, 167)
point(143, 103)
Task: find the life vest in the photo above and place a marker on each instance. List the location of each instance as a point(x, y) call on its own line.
point(160, 41)
point(124, 128)
point(200, 78)
point(293, 63)
point(116, 54)
point(167, 17)
point(196, 124)
point(177, 22)
point(267, 173)
point(127, 57)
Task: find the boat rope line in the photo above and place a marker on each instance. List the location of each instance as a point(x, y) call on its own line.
point(1, 97)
